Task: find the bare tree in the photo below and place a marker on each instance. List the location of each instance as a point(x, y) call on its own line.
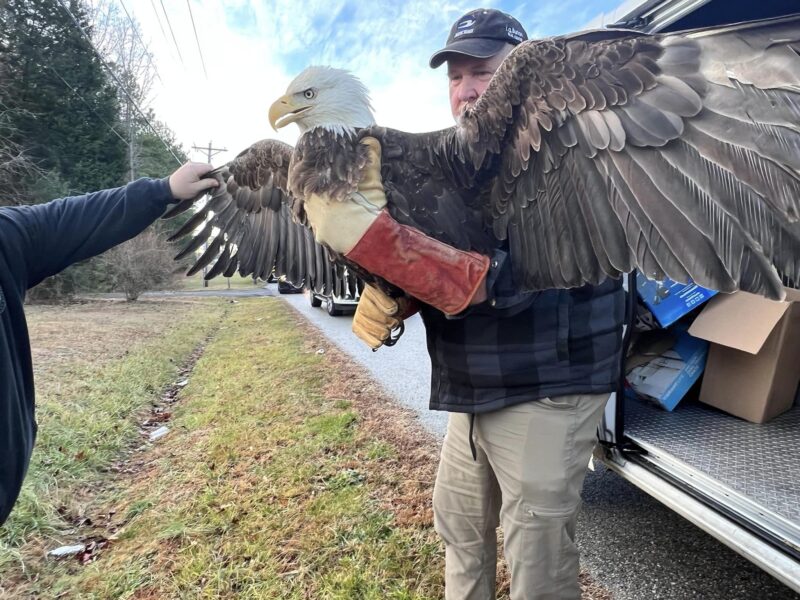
point(118, 37)
point(15, 164)
point(142, 264)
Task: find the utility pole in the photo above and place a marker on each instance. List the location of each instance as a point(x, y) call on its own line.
point(210, 153)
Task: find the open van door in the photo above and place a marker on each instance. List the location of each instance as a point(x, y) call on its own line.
point(738, 481)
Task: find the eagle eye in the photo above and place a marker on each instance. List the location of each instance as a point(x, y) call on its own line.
point(309, 94)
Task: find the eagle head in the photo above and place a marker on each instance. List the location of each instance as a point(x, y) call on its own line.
point(323, 97)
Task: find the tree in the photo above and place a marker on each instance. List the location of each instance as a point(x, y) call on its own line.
point(66, 110)
point(15, 164)
point(142, 264)
point(69, 116)
point(118, 39)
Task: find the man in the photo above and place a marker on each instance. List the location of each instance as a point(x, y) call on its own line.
point(39, 241)
point(525, 378)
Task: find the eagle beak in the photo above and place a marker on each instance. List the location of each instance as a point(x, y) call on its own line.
point(284, 111)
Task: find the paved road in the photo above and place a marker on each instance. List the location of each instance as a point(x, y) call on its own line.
point(629, 542)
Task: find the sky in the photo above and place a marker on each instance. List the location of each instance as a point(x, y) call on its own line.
point(252, 49)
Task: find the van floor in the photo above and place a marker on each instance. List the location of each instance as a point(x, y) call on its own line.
point(758, 462)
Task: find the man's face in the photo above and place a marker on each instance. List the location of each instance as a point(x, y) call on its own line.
point(469, 78)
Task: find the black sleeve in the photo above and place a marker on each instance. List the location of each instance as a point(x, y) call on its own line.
point(52, 236)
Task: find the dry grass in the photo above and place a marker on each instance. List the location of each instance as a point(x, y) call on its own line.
point(96, 332)
point(195, 282)
point(287, 474)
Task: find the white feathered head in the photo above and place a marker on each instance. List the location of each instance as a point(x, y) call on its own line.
point(323, 97)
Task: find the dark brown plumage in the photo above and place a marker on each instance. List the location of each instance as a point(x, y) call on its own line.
point(590, 154)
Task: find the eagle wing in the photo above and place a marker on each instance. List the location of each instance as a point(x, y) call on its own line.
point(678, 154)
point(248, 224)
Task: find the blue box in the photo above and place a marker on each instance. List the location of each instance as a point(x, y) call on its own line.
point(669, 301)
point(666, 378)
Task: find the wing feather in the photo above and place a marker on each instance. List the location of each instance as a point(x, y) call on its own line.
point(676, 153)
point(248, 224)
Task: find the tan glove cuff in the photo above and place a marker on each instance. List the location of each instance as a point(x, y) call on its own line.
point(339, 224)
point(371, 185)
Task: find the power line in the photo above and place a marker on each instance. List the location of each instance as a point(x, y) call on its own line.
point(196, 39)
point(78, 94)
point(136, 33)
point(158, 18)
point(119, 83)
point(175, 41)
point(161, 27)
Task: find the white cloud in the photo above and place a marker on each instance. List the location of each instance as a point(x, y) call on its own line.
point(252, 50)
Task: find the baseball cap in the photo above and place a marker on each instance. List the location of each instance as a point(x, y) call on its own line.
point(480, 33)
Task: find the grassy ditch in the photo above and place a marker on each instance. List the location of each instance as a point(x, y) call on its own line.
point(275, 482)
point(98, 365)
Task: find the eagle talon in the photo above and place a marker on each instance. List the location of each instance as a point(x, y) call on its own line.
point(394, 336)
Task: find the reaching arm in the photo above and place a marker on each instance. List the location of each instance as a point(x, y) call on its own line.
point(47, 238)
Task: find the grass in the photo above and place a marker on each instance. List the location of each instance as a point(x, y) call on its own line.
point(195, 282)
point(90, 386)
point(276, 480)
point(286, 473)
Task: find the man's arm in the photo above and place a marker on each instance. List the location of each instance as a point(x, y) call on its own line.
point(47, 238)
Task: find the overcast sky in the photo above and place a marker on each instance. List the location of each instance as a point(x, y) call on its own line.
point(252, 49)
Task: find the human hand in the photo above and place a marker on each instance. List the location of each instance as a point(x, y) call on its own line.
point(340, 224)
point(186, 182)
point(377, 316)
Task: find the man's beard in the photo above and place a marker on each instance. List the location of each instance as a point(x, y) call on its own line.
point(463, 109)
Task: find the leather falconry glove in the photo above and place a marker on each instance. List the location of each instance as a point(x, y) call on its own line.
point(362, 229)
point(378, 316)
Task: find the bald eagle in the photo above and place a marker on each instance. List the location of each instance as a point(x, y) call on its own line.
point(590, 154)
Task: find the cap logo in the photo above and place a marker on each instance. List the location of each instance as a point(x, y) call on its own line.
point(515, 34)
point(466, 23)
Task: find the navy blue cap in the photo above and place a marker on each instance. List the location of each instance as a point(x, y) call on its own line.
point(480, 33)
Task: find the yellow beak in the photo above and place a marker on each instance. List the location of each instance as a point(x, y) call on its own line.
point(284, 111)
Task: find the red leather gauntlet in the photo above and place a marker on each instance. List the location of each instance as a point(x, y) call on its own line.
point(429, 270)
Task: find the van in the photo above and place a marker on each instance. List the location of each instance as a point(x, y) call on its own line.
point(737, 480)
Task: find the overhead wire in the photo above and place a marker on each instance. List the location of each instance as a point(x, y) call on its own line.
point(174, 40)
point(160, 26)
point(119, 83)
point(197, 39)
point(136, 33)
point(92, 108)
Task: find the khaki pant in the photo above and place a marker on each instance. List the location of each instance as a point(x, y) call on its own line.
point(531, 463)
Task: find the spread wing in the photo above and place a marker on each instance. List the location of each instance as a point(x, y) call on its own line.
point(678, 154)
point(247, 224)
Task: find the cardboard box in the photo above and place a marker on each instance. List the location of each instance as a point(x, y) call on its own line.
point(665, 370)
point(753, 364)
point(669, 301)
